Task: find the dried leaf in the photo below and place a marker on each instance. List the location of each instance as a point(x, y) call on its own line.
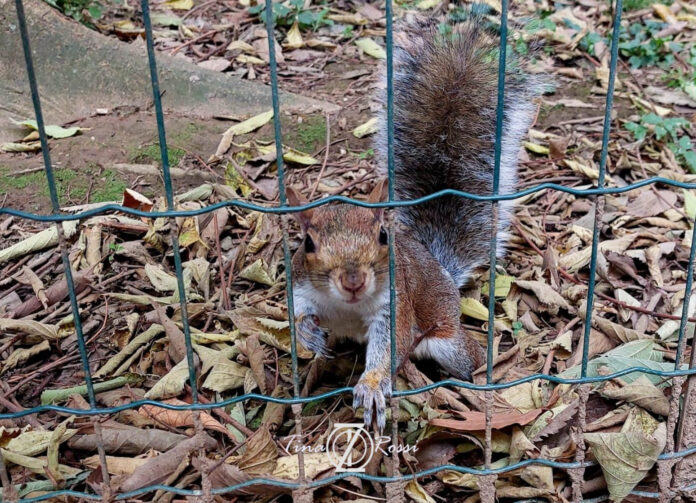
point(545, 293)
point(179, 4)
point(180, 418)
point(52, 131)
point(473, 308)
point(642, 392)
point(30, 146)
point(244, 127)
point(476, 421)
point(626, 457)
point(371, 48)
point(258, 272)
point(39, 241)
point(294, 38)
point(34, 442)
point(261, 454)
point(369, 127)
point(171, 384)
point(21, 355)
point(224, 373)
point(414, 490)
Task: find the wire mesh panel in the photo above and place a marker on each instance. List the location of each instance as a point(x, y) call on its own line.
point(488, 473)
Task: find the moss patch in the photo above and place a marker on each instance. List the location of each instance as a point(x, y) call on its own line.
point(70, 185)
point(311, 133)
point(152, 154)
point(307, 136)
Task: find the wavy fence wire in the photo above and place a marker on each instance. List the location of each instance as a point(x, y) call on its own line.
point(488, 474)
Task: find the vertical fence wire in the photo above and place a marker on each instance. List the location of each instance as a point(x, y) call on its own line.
point(65, 257)
point(598, 206)
point(489, 492)
point(174, 231)
point(287, 258)
point(682, 387)
point(393, 364)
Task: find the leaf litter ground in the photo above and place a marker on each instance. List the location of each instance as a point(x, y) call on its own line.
point(234, 278)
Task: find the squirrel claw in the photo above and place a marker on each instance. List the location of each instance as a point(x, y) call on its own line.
point(371, 394)
point(312, 336)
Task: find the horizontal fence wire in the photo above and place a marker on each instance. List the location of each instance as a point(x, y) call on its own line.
point(107, 208)
point(596, 192)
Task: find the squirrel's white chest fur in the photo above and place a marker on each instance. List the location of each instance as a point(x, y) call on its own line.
point(340, 319)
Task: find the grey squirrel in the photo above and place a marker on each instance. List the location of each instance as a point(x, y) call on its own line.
point(445, 100)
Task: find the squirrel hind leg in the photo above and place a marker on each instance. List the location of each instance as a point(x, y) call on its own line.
point(460, 355)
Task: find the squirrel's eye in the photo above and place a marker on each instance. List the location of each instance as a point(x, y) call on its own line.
point(383, 236)
point(309, 245)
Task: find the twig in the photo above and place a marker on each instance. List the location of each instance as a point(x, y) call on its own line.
point(326, 156)
point(225, 295)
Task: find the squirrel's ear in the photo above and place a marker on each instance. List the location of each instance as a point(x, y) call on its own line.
point(295, 199)
point(379, 194)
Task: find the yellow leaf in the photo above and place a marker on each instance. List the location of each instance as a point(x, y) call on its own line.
point(250, 124)
point(258, 272)
point(414, 490)
point(252, 60)
point(427, 4)
point(589, 172)
point(356, 18)
point(474, 309)
point(536, 148)
point(293, 155)
point(23, 354)
point(235, 180)
point(179, 4)
point(289, 154)
point(244, 127)
point(369, 127)
point(242, 46)
point(21, 147)
point(294, 38)
point(664, 13)
point(689, 204)
point(371, 48)
point(503, 283)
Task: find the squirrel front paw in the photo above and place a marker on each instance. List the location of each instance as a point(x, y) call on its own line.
point(311, 335)
point(371, 393)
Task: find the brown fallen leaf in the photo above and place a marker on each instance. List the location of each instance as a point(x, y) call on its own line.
point(156, 470)
point(181, 418)
point(225, 475)
point(127, 440)
point(261, 453)
point(476, 421)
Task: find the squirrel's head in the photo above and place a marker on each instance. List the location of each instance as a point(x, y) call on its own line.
point(345, 247)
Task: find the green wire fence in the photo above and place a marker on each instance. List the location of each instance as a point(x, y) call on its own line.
point(575, 467)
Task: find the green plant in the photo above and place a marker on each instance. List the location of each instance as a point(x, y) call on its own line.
point(670, 131)
point(629, 5)
point(284, 15)
point(641, 45)
point(367, 154)
point(76, 9)
point(686, 81)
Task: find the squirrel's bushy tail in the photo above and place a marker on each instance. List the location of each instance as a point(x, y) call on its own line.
point(445, 97)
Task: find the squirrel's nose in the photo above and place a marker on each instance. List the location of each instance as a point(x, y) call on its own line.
point(353, 281)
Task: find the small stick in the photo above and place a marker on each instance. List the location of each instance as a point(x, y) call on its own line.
point(326, 156)
point(223, 283)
